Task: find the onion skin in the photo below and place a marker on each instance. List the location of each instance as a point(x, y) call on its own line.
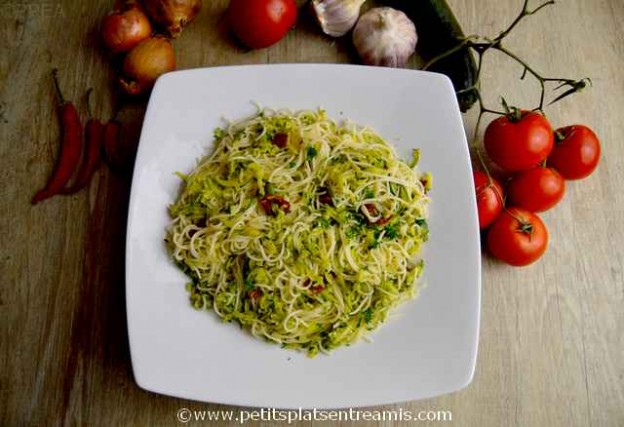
point(173, 15)
point(145, 63)
point(125, 28)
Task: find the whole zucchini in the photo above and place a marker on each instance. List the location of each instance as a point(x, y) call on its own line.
point(439, 32)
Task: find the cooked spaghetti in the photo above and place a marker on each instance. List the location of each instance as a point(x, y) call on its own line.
point(305, 231)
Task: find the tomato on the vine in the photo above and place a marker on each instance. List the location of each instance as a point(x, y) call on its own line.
point(536, 190)
point(489, 198)
point(261, 23)
point(518, 237)
point(519, 143)
point(576, 153)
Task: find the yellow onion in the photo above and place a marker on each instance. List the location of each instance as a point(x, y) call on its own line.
point(145, 63)
point(124, 28)
point(173, 15)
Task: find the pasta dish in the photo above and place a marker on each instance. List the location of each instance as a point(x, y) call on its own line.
point(305, 231)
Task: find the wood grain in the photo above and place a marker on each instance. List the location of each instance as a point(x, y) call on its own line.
point(551, 340)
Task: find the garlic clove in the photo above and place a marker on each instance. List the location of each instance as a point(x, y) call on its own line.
point(385, 36)
point(337, 17)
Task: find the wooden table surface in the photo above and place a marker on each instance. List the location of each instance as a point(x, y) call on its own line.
point(551, 343)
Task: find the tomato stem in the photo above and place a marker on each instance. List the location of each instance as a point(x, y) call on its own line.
point(523, 226)
point(513, 113)
point(57, 86)
point(467, 41)
point(88, 102)
point(481, 45)
point(525, 12)
point(559, 136)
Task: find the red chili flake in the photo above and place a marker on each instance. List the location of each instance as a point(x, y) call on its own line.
point(268, 201)
point(280, 139)
point(383, 221)
point(372, 209)
point(325, 198)
point(317, 289)
point(266, 205)
point(255, 294)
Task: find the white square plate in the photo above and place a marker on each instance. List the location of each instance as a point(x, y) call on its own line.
point(428, 348)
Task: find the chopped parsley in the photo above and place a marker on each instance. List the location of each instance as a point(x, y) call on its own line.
point(324, 223)
point(219, 134)
point(353, 232)
point(392, 231)
point(311, 153)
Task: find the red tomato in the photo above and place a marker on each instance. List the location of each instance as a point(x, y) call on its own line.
point(518, 237)
point(536, 190)
point(577, 154)
point(261, 23)
point(517, 145)
point(489, 198)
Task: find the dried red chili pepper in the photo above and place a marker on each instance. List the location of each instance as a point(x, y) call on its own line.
point(112, 143)
point(269, 200)
point(71, 147)
point(94, 137)
point(119, 149)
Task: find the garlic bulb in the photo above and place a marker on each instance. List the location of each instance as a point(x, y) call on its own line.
point(337, 17)
point(385, 36)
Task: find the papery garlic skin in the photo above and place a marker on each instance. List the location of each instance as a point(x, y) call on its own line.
point(385, 36)
point(337, 17)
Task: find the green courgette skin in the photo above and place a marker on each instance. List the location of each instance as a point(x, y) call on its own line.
point(438, 32)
